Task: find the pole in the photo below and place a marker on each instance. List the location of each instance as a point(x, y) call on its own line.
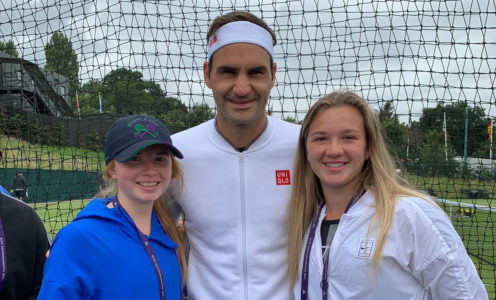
point(491, 148)
point(77, 106)
point(409, 128)
point(445, 133)
point(465, 142)
point(100, 100)
point(407, 143)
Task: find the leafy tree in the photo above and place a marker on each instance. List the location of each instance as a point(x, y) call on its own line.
point(395, 132)
point(291, 120)
point(386, 112)
point(9, 48)
point(122, 74)
point(484, 147)
point(88, 95)
point(126, 92)
point(62, 59)
point(432, 160)
point(199, 113)
point(432, 119)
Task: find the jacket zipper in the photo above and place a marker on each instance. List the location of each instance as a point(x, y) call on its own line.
point(243, 223)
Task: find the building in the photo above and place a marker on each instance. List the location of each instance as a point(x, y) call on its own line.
point(25, 86)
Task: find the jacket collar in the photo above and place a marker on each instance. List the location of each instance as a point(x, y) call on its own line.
point(218, 140)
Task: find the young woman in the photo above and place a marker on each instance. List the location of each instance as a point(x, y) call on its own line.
point(355, 230)
point(124, 246)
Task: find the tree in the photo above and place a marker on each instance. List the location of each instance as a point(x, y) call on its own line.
point(9, 48)
point(291, 120)
point(394, 131)
point(432, 119)
point(88, 95)
point(122, 74)
point(484, 146)
point(432, 160)
point(62, 59)
point(126, 92)
point(386, 111)
point(199, 113)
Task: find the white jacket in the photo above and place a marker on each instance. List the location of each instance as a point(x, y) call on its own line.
point(235, 212)
point(424, 258)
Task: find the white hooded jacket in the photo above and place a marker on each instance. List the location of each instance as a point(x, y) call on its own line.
point(423, 258)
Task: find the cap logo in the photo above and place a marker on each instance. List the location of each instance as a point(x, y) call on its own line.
point(140, 130)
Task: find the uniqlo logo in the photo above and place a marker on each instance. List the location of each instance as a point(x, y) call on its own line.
point(282, 177)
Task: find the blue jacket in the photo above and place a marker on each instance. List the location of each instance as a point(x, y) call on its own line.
point(100, 256)
point(4, 191)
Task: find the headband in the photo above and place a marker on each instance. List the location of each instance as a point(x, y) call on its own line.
point(240, 32)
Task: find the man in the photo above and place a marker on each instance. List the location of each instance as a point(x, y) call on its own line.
point(23, 244)
point(237, 170)
point(19, 185)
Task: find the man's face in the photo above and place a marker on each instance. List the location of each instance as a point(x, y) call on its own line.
point(241, 79)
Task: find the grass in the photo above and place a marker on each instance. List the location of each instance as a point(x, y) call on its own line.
point(478, 202)
point(477, 233)
point(477, 230)
point(56, 215)
point(24, 155)
point(450, 188)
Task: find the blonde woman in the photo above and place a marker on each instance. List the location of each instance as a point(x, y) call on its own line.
point(124, 246)
point(355, 231)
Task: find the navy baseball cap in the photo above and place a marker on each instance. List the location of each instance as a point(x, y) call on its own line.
point(129, 135)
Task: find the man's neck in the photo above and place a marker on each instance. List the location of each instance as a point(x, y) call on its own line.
point(241, 136)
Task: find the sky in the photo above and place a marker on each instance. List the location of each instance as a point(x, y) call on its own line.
point(416, 53)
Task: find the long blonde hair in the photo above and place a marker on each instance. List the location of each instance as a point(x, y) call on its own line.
point(160, 208)
point(378, 173)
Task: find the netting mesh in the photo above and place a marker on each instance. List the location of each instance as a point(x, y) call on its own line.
point(424, 65)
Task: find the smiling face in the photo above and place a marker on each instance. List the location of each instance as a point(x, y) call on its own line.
point(241, 79)
point(336, 147)
point(145, 177)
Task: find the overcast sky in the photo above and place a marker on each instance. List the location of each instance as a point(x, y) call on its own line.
point(413, 52)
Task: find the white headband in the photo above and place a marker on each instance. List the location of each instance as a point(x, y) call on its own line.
point(240, 32)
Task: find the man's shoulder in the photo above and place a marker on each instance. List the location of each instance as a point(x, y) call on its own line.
point(11, 208)
point(198, 130)
point(286, 126)
point(9, 202)
point(283, 132)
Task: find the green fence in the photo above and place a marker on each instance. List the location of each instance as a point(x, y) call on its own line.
point(54, 185)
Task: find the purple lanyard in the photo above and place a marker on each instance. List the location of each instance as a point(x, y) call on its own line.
point(324, 285)
point(3, 257)
point(150, 253)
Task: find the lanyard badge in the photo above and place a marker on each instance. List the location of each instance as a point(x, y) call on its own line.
point(3, 257)
point(324, 285)
point(150, 253)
